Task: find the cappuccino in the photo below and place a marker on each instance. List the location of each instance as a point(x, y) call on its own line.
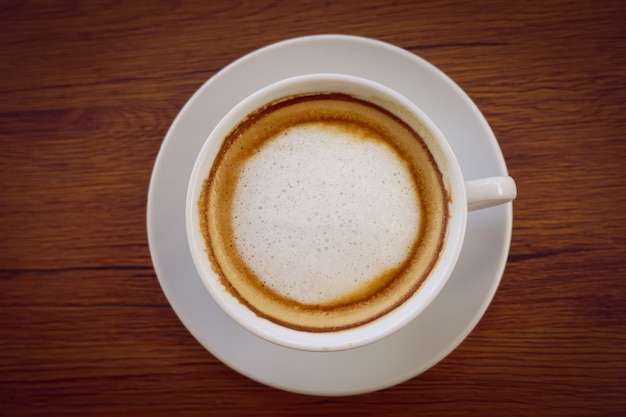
point(323, 212)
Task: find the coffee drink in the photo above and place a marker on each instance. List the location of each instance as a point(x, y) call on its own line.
point(323, 212)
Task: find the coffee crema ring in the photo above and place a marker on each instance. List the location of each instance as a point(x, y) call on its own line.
point(323, 212)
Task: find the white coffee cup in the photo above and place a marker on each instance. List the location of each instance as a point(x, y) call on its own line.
point(464, 196)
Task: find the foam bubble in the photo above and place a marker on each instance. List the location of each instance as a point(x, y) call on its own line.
point(320, 211)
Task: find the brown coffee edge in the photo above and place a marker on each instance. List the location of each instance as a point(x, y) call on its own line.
point(277, 298)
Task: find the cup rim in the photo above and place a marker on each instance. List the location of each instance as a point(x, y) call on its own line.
point(360, 335)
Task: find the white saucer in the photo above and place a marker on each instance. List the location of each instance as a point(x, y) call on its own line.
point(399, 357)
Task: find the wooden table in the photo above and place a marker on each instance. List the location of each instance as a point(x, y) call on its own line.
point(87, 93)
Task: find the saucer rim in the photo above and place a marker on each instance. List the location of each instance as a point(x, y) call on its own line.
point(153, 239)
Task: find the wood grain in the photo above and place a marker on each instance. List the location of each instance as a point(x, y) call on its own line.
point(87, 93)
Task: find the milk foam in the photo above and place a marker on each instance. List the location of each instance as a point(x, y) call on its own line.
point(320, 211)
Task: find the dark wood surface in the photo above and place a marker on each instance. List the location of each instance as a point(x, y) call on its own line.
point(87, 93)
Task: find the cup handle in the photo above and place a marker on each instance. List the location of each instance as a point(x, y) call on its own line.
point(489, 192)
